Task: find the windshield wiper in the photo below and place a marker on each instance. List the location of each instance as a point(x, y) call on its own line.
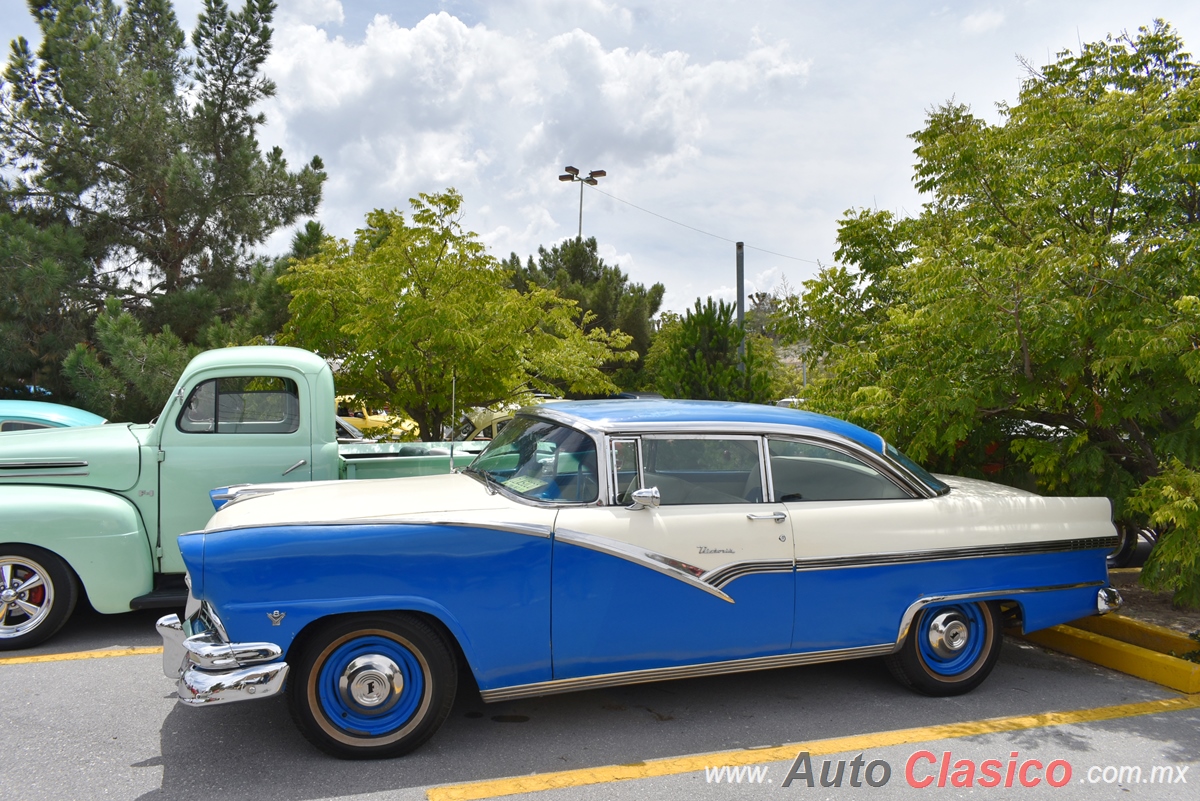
point(489, 483)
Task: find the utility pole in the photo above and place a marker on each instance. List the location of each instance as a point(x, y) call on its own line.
point(741, 302)
point(572, 174)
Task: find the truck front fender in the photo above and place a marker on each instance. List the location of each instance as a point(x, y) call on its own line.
point(99, 534)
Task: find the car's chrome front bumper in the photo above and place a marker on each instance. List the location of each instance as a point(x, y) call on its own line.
point(1108, 600)
point(212, 671)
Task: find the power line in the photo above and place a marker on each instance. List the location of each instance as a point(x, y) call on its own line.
point(699, 231)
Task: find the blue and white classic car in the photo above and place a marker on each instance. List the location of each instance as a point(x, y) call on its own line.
point(616, 542)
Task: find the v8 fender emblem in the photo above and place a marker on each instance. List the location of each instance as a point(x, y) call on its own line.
point(276, 617)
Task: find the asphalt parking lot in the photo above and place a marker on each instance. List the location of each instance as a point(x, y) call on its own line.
point(109, 727)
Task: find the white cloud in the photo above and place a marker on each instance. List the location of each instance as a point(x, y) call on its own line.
point(982, 22)
point(443, 103)
point(310, 12)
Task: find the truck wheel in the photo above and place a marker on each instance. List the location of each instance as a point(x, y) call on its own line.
point(37, 595)
point(372, 687)
point(950, 649)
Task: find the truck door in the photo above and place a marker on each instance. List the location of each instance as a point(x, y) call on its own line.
point(246, 429)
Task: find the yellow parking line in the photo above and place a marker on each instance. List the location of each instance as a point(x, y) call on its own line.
point(29, 660)
point(690, 764)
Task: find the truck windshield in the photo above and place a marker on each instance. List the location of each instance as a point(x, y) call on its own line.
point(542, 461)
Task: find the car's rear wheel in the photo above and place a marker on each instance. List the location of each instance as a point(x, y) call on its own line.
point(950, 648)
point(372, 687)
point(37, 595)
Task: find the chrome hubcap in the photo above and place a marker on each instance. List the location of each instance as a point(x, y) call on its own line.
point(371, 683)
point(948, 634)
point(26, 597)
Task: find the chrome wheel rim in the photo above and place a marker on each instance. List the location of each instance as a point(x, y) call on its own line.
point(26, 596)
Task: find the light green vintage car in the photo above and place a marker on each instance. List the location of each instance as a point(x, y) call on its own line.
point(95, 511)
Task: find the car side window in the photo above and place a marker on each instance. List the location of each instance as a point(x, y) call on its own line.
point(20, 425)
point(703, 470)
point(805, 471)
point(242, 405)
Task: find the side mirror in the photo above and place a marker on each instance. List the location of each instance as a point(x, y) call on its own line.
point(646, 498)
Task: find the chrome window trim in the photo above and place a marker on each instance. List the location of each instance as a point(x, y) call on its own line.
point(884, 463)
point(614, 489)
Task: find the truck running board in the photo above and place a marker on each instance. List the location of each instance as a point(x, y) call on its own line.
point(171, 593)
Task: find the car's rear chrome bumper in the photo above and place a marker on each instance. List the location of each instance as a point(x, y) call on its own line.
point(1108, 600)
point(211, 671)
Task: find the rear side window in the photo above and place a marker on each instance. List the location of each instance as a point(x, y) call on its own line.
point(19, 425)
point(242, 405)
point(805, 471)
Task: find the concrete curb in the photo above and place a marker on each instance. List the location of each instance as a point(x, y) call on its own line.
point(1130, 646)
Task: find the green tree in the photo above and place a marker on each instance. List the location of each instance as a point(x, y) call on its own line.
point(146, 152)
point(44, 303)
point(415, 309)
point(1041, 316)
point(696, 356)
point(575, 271)
point(126, 373)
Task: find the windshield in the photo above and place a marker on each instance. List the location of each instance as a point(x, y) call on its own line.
point(940, 487)
point(542, 461)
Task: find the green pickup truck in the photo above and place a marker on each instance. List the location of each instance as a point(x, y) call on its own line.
point(96, 510)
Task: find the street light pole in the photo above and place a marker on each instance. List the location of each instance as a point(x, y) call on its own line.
point(572, 174)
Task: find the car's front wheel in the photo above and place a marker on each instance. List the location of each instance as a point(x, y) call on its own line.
point(372, 687)
point(950, 648)
point(37, 594)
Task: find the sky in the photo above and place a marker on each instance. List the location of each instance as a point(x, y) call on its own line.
point(716, 120)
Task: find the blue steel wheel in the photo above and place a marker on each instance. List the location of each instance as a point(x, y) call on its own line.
point(372, 687)
point(950, 648)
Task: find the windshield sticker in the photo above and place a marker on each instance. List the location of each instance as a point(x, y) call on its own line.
point(524, 484)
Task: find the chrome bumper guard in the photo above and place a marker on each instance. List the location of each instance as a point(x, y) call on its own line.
point(211, 671)
point(1108, 600)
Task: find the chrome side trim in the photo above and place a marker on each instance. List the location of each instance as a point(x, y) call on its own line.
point(46, 475)
point(917, 606)
point(680, 672)
point(943, 554)
point(45, 464)
point(527, 529)
point(723, 575)
point(661, 563)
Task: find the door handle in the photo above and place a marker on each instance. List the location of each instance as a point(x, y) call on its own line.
point(297, 465)
point(778, 517)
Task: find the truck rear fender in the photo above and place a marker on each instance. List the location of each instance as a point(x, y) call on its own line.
point(99, 534)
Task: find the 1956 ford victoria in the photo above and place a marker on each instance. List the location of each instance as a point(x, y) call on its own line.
point(615, 542)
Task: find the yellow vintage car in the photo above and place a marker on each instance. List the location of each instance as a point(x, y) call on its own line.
point(374, 422)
